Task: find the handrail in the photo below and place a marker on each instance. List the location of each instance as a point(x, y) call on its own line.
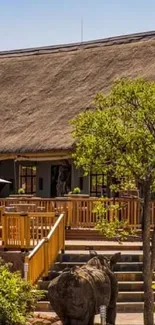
point(38, 262)
point(54, 227)
point(35, 250)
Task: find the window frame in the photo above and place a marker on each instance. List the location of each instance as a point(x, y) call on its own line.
point(97, 193)
point(24, 177)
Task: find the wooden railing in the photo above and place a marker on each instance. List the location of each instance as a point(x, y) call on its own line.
point(25, 230)
point(49, 205)
point(79, 212)
point(38, 262)
point(1, 213)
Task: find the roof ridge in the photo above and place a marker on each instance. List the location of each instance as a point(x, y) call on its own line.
point(108, 41)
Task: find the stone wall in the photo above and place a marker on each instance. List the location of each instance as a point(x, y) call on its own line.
point(16, 259)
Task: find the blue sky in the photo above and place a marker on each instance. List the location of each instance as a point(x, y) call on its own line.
point(30, 23)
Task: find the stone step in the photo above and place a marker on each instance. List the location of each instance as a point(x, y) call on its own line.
point(121, 266)
point(122, 307)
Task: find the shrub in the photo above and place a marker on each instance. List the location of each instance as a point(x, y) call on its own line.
point(18, 298)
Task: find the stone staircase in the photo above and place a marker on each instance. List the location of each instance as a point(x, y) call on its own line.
point(128, 270)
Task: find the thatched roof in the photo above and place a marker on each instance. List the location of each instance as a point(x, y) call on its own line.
point(42, 88)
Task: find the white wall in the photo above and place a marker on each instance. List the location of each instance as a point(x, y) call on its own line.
point(75, 180)
point(44, 171)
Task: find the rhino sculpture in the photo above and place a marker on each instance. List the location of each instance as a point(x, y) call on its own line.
point(77, 294)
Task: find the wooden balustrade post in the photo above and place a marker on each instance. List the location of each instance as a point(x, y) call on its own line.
point(22, 230)
point(63, 235)
point(27, 231)
point(4, 230)
point(70, 212)
point(46, 257)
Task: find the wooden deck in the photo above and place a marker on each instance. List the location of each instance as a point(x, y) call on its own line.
point(44, 232)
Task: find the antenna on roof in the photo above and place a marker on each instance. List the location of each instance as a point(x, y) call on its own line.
point(81, 29)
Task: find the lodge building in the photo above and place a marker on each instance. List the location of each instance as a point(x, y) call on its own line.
point(41, 89)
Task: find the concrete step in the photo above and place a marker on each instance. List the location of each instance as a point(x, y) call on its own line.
point(129, 276)
point(130, 286)
point(44, 306)
point(122, 266)
point(128, 266)
point(131, 296)
point(122, 275)
point(122, 307)
point(125, 319)
point(93, 234)
point(122, 285)
point(43, 284)
point(102, 245)
point(84, 256)
point(130, 307)
point(123, 296)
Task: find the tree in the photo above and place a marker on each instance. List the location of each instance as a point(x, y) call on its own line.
point(118, 139)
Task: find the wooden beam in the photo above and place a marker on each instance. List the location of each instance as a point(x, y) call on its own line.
point(38, 156)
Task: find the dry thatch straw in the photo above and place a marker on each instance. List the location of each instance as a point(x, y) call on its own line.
point(41, 89)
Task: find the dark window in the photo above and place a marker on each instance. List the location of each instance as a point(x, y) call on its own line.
point(40, 183)
point(81, 183)
point(98, 185)
point(28, 179)
point(11, 185)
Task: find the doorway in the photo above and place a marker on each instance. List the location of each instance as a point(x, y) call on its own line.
point(54, 179)
point(60, 180)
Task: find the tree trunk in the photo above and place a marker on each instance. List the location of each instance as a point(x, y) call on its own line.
point(153, 251)
point(147, 270)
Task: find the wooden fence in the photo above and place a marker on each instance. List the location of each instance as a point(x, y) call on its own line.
point(38, 262)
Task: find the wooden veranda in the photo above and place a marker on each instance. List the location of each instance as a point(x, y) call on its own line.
point(38, 227)
point(79, 211)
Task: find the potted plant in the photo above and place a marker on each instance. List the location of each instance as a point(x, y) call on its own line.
point(21, 191)
point(76, 192)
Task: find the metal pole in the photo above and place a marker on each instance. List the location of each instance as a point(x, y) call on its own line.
point(25, 271)
point(103, 314)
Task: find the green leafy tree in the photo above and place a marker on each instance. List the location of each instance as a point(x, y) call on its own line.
point(115, 228)
point(18, 298)
point(118, 139)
